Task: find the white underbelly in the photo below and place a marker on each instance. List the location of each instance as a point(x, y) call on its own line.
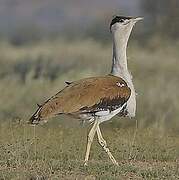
point(106, 115)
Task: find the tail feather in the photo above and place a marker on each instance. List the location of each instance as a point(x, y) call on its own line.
point(36, 116)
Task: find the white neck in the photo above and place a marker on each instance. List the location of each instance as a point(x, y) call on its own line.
point(119, 65)
point(119, 61)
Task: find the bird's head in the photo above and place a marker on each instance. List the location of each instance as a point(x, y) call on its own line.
point(123, 25)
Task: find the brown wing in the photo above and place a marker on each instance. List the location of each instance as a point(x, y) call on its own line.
point(88, 94)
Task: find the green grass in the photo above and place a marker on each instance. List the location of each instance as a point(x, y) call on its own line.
point(57, 152)
point(30, 74)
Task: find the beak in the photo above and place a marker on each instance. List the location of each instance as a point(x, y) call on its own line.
point(138, 19)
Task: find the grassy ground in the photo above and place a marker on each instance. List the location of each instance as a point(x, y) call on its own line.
point(55, 152)
point(30, 74)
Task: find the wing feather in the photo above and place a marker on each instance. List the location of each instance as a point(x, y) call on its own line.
point(87, 95)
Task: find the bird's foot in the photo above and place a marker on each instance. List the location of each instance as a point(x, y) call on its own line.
point(86, 163)
point(116, 163)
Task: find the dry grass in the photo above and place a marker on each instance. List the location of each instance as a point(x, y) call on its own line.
point(54, 152)
point(30, 74)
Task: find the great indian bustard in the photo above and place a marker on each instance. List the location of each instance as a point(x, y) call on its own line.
point(98, 99)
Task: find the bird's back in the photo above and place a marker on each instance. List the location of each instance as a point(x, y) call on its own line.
point(88, 95)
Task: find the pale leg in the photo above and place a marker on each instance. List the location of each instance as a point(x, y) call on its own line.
point(90, 140)
point(103, 144)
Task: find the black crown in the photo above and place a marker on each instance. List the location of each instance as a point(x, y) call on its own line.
point(119, 19)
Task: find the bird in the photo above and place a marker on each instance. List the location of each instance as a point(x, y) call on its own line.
point(98, 99)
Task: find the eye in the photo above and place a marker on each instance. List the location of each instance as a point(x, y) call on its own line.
point(121, 20)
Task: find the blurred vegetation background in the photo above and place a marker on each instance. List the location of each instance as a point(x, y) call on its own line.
point(44, 43)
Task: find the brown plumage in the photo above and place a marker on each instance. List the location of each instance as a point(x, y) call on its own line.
point(88, 95)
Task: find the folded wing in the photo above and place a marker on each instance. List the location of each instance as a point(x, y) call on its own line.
point(88, 95)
